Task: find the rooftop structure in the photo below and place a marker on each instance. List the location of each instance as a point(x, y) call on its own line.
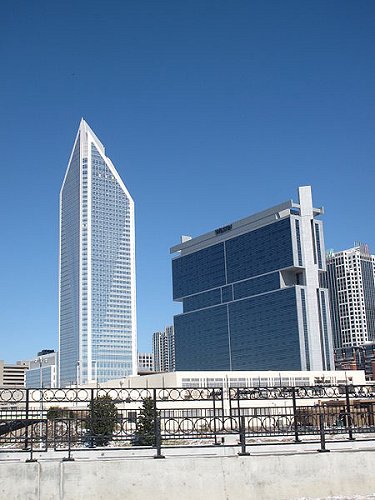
point(228, 379)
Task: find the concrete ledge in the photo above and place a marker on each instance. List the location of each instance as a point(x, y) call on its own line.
point(274, 477)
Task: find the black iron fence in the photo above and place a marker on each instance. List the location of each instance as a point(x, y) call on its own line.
point(74, 418)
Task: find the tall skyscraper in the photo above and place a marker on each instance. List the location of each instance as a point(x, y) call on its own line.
point(350, 277)
point(163, 349)
point(251, 293)
point(97, 308)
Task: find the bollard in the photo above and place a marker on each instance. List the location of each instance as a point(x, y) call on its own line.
point(243, 452)
point(322, 435)
point(158, 439)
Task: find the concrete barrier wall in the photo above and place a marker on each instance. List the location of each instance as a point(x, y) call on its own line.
point(312, 475)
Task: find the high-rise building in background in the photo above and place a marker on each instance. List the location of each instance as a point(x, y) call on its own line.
point(163, 349)
point(97, 308)
point(251, 293)
point(145, 362)
point(13, 374)
point(350, 278)
point(351, 282)
point(42, 370)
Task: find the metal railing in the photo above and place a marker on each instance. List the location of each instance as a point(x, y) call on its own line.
point(70, 419)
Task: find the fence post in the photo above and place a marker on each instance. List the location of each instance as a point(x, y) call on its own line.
point(158, 439)
point(31, 459)
point(155, 418)
point(322, 434)
point(27, 418)
point(91, 420)
point(55, 437)
point(348, 414)
point(295, 422)
point(222, 426)
point(230, 408)
point(214, 409)
point(243, 452)
point(69, 458)
point(47, 436)
point(238, 408)
point(222, 404)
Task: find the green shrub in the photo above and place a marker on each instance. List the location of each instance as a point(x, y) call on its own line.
point(145, 433)
point(101, 421)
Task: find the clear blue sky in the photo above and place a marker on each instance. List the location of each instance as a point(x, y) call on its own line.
point(210, 110)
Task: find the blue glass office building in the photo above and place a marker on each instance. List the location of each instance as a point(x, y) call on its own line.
point(252, 296)
point(97, 309)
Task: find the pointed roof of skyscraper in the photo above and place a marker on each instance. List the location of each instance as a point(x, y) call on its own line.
point(85, 127)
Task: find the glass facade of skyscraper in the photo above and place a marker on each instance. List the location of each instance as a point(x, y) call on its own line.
point(249, 295)
point(70, 270)
point(97, 268)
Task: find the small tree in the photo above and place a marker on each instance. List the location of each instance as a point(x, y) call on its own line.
point(145, 433)
point(102, 420)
